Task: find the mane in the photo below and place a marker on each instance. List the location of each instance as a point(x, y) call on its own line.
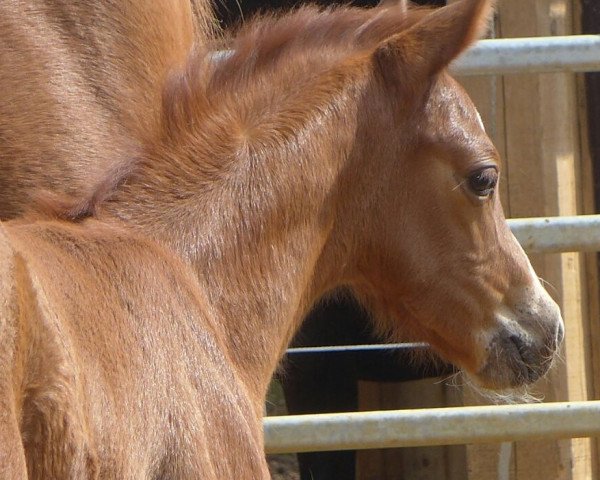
point(311, 31)
point(204, 101)
point(299, 45)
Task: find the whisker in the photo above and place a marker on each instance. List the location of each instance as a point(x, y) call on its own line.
point(546, 283)
point(459, 185)
point(523, 394)
point(449, 380)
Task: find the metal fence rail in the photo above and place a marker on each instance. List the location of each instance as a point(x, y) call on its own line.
point(450, 426)
point(438, 426)
point(579, 233)
point(574, 53)
point(374, 347)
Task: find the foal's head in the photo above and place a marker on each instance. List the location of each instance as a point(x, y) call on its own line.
point(421, 215)
point(418, 228)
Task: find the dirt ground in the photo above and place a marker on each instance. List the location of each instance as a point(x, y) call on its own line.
point(283, 467)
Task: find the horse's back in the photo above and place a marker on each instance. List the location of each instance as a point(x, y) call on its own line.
point(148, 376)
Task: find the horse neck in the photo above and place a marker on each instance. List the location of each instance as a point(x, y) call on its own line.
point(255, 234)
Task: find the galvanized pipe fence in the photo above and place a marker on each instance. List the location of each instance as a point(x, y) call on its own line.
point(578, 233)
point(449, 426)
point(460, 425)
point(431, 426)
point(574, 53)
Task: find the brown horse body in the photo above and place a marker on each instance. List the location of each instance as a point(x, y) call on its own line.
point(327, 149)
point(82, 81)
point(116, 369)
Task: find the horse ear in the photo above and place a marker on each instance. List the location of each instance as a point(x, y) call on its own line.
point(432, 43)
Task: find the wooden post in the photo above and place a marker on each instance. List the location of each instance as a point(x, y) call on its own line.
point(588, 14)
point(418, 463)
point(545, 175)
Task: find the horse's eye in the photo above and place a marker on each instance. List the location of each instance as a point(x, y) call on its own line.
point(482, 182)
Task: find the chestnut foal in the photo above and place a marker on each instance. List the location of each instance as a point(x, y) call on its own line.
point(327, 148)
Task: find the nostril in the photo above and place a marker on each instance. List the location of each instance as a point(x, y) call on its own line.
point(520, 344)
point(529, 364)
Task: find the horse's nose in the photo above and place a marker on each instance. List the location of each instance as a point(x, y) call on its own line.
point(515, 358)
point(529, 332)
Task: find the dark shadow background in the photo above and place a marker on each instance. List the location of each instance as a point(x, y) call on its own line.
point(230, 12)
